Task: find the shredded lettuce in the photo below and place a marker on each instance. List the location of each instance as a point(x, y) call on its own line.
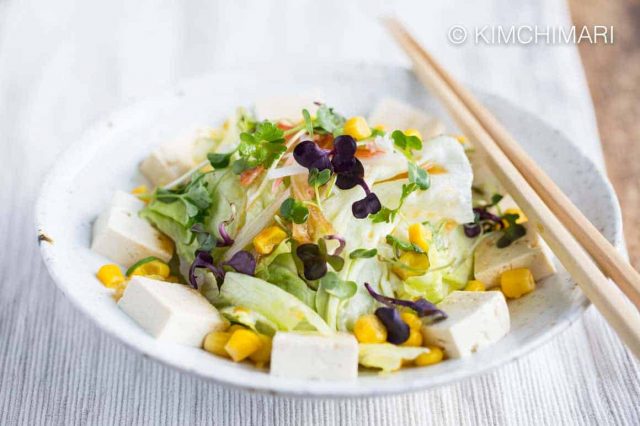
point(283, 273)
point(385, 356)
point(165, 221)
point(361, 271)
point(431, 286)
point(250, 319)
point(174, 220)
point(286, 311)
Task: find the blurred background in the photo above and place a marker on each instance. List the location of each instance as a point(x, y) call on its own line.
point(613, 72)
point(66, 64)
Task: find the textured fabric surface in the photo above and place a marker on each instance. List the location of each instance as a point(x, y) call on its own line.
point(64, 65)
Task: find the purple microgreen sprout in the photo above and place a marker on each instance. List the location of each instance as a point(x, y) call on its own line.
point(397, 330)
point(485, 221)
point(340, 240)
point(348, 170)
point(243, 262)
point(315, 266)
point(421, 306)
point(204, 260)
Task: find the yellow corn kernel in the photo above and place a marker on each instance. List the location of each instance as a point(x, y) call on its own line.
point(434, 356)
point(416, 264)
point(415, 338)
point(357, 128)
point(110, 275)
point(215, 342)
point(413, 132)
point(235, 327)
point(369, 329)
point(154, 267)
point(142, 189)
point(262, 356)
point(268, 239)
point(418, 237)
point(462, 139)
point(517, 282)
point(521, 217)
point(242, 343)
point(380, 127)
point(412, 320)
point(475, 285)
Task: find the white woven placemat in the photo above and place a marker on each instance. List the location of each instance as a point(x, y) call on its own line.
point(63, 65)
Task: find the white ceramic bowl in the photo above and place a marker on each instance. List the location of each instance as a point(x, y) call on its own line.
point(106, 159)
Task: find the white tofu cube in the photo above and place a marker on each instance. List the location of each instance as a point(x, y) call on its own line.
point(526, 252)
point(170, 311)
point(314, 356)
point(397, 115)
point(287, 107)
point(170, 160)
point(125, 238)
point(475, 320)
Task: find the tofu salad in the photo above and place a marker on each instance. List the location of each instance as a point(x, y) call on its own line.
point(294, 233)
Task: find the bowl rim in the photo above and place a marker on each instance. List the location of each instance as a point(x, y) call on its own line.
point(79, 150)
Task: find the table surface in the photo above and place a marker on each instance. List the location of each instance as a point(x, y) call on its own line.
point(64, 66)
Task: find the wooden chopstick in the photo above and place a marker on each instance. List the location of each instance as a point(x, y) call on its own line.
point(622, 315)
point(606, 256)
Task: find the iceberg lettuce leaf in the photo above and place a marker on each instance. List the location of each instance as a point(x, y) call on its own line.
point(250, 319)
point(282, 272)
point(385, 356)
point(274, 303)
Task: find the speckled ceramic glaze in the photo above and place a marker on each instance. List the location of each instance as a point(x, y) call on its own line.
point(106, 159)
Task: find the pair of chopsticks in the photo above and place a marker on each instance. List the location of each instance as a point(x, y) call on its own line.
point(583, 251)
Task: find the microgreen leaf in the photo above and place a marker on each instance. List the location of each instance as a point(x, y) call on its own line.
point(385, 214)
point(418, 176)
point(363, 253)
point(294, 211)
point(336, 262)
point(220, 161)
point(329, 120)
point(242, 262)
point(204, 259)
point(315, 266)
point(332, 284)
point(405, 144)
point(206, 241)
point(398, 331)
point(495, 199)
point(388, 215)
point(319, 178)
point(397, 243)
point(308, 124)
point(512, 231)
point(421, 306)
